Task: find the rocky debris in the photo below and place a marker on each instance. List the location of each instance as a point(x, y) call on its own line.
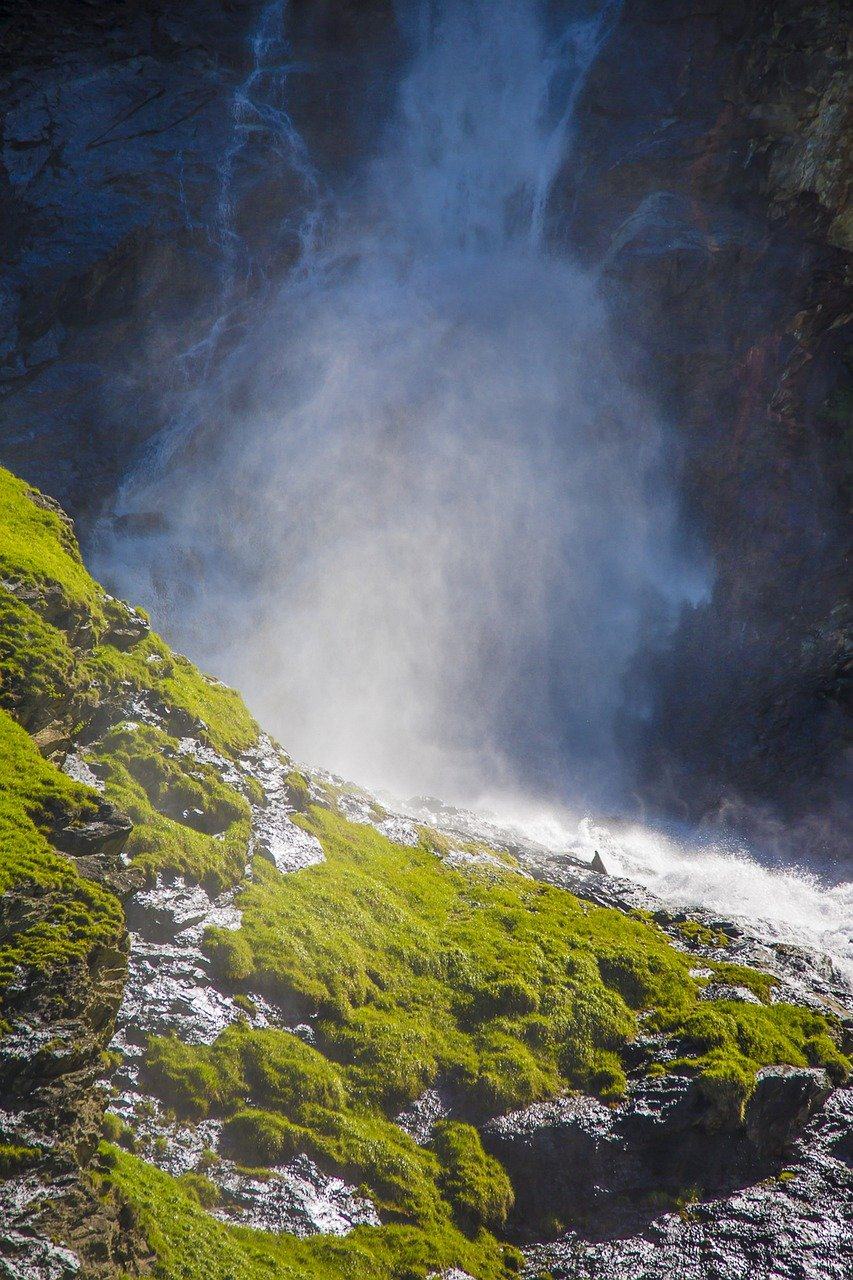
point(125, 625)
point(725, 991)
point(784, 1099)
point(103, 836)
point(169, 987)
point(604, 1170)
point(32, 1257)
point(296, 1197)
point(399, 829)
point(421, 1116)
point(52, 1047)
point(792, 1225)
point(274, 833)
point(75, 766)
point(101, 1237)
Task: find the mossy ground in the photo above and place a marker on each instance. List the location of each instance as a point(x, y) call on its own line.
point(190, 1244)
point(412, 972)
point(186, 820)
point(510, 989)
point(72, 915)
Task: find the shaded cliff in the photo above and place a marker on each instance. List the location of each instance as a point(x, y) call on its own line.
point(706, 182)
point(710, 181)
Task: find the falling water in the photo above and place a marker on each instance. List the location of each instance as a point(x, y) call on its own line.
point(417, 512)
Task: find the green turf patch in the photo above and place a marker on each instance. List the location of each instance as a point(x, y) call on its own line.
point(190, 1244)
point(511, 989)
point(186, 820)
point(67, 916)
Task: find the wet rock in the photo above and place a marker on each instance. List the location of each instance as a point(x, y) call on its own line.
point(784, 1099)
point(275, 835)
point(399, 829)
point(104, 835)
point(604, 1170)
point(167, 911)
point(421, 1116)
point(75, 766)
point(32, 1257)
point(296, 1197)
point(724, 991)
point(793, 1225)
point(126, 626)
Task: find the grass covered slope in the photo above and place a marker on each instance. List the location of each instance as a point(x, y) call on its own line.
point(79, 667)
point(69, 916)
point(510, 989)
point(411, 973)
point(190, 1244)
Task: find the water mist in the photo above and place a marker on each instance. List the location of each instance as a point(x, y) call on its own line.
point(416, 512)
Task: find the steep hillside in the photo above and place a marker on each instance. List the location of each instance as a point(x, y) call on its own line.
point(314, 1038)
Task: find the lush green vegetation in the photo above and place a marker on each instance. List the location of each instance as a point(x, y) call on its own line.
point(411, 971)
point(37, 668)
point(192, 1245)
point(474, 1182)
point(511, 989)
point(74, 915)
point(56, 639)
point(38, 549)
point(300, 1101)
point(185, 695)
point(186, 820)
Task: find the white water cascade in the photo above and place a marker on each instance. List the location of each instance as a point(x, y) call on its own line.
point(426, 515)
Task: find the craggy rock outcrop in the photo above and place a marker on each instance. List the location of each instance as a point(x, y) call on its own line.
point(607, 1171)
point(787, 1226)
point(708, 180)
point(57, 1026)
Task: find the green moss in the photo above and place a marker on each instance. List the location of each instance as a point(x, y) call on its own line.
point(201, 1189)
point(70, 916)
point(37, 671)
point(38, 549)
point(300, 1101)
point(512, 988)
point(298, 790)
point(738, 975)
point(191, 1245)
point(697, 934)
point(55, 641)
point(474, 1182)
point(15, 1158)
point(181, 689)
point(255, 1137)
point(115, 1129)
point(728, 1041)
point(186, 821)
point(417, 967)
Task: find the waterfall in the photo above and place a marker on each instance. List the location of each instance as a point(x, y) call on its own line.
point(417, 511)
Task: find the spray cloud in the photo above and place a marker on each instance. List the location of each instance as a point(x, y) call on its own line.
point(414, 509)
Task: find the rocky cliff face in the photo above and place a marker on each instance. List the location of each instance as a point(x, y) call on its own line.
point(145, 192)
point(318, 1038)
point(709, 180)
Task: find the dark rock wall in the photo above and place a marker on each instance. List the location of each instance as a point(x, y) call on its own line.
point(708, 179)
